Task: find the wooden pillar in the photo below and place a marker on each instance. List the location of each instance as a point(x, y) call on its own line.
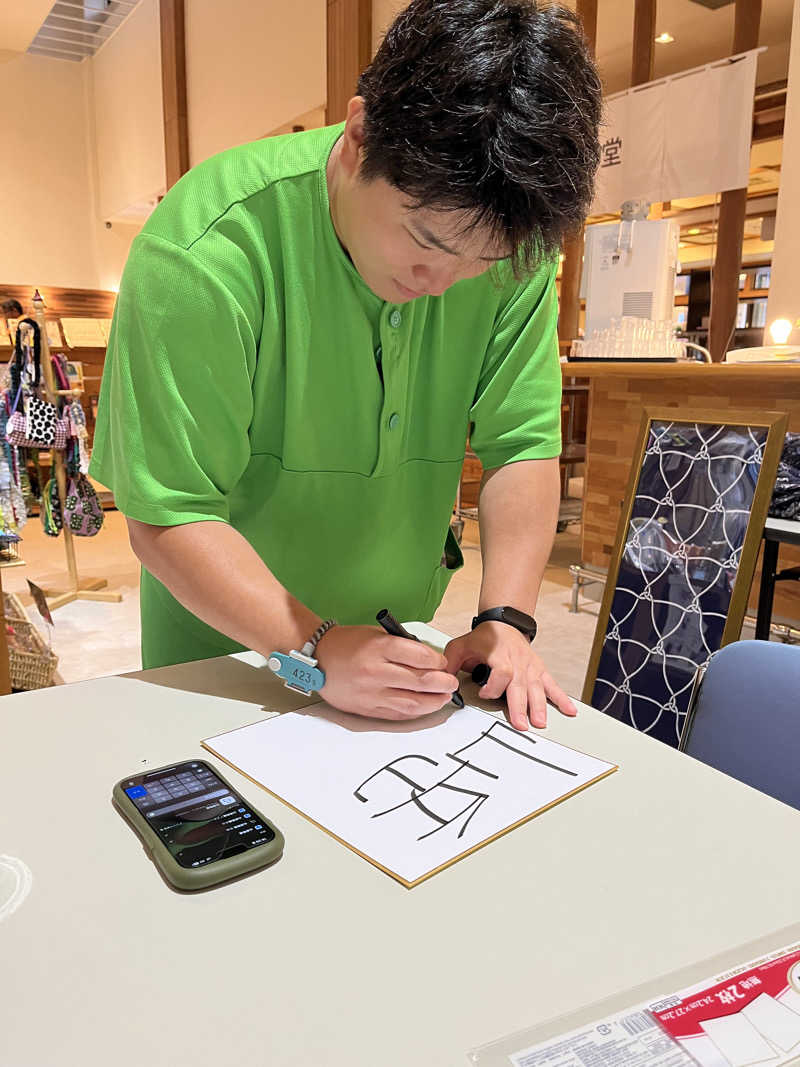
point(784, 298)
point(587, 13)
point(173, 89)
point(644, 42)
point(5, 670)
point(349, 50)
point(569, 299)
point(733, 206)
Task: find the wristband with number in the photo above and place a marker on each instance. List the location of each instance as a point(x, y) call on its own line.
point(299, 670)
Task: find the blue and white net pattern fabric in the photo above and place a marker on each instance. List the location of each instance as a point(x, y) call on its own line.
point(681, 556)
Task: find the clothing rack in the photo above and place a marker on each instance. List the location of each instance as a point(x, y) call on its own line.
point(77, 589)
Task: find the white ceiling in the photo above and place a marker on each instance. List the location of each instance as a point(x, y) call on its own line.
point(75, 29)
point(19, 21)
point(66, 29)
point(701, 36)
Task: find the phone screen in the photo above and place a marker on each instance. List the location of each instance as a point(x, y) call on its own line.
point(196, 815)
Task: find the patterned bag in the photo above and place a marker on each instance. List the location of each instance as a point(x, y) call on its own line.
point(16, 430)
point(38, 427)
point(41, 424)
point(50, 513)
point(83, 511)
point(31, 488)
point(61, 434)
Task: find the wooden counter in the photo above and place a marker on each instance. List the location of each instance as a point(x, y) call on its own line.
point(618, 394)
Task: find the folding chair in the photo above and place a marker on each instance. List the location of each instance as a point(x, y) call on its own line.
point(744, 717)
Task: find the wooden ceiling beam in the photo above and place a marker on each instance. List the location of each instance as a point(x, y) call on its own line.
point(644, 42)
point(349, 50)
point(732, 212)
point(173, 89)
point(569, 304)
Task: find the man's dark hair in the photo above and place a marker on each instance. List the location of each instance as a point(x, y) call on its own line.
point(492, 108)
point(12, 309)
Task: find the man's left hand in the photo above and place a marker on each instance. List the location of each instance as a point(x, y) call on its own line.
point(517, 671)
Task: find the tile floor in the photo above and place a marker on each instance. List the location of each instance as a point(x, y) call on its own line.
point(95, 639)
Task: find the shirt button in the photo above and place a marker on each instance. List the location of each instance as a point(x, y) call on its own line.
point(394, 419)
point(395, 319)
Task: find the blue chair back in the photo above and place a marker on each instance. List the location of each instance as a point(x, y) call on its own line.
point(745, 719)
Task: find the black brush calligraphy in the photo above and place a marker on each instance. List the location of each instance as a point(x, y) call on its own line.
point(428, 784)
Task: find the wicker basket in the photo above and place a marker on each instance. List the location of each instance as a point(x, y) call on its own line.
point(31, 663)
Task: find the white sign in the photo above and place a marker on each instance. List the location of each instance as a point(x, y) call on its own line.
point(411, 797)
point(687, 135)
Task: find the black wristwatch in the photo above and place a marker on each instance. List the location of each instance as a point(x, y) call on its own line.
point(526, 624)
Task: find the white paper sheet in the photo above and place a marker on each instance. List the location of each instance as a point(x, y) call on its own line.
point(777, 1022)
point(738, 1040)
point(409, 796)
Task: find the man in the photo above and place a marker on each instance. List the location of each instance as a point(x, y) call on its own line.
point(307, 328)
point(11, 309)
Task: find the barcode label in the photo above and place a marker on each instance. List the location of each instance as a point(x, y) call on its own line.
point(638, 1023)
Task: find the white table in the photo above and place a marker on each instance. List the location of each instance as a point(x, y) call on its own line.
point(323, 959)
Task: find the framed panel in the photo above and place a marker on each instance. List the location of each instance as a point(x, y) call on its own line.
point(683, 561)
point(75, 374)
point(763, 278)
point(759, 316)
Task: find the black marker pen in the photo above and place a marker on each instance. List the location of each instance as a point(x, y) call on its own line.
point(396, 629)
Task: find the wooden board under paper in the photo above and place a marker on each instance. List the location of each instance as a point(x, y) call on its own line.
point(319, 761)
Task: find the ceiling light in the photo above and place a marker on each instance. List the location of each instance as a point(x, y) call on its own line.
point(694, 232)
point(665, 38)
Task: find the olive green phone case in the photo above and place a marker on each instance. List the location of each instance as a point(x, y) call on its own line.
point(189, 878)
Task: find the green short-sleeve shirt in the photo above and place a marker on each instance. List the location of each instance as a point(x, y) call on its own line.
point(242, 384)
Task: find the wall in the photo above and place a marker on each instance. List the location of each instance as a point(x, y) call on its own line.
point(126, 116)
point(383, 13)
point(784, 298)
point(310, 120)
point(250, 68)
point(85, 141)
point(45, 215)
point(125, 125)
point(85, 144)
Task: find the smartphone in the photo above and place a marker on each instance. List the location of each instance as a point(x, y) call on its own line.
point(197, 828)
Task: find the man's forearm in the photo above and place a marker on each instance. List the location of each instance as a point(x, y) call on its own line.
point(518, 513)
point(216, 574)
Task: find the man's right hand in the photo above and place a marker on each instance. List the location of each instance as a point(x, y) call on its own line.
point(369, 672)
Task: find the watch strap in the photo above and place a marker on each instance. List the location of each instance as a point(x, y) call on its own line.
point(526, 624)
point(310, 647)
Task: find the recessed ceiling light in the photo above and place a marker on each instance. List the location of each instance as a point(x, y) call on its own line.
point(665, 38)
point(693, 232)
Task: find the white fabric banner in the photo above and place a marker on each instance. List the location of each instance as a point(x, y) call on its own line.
point(688, 135)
